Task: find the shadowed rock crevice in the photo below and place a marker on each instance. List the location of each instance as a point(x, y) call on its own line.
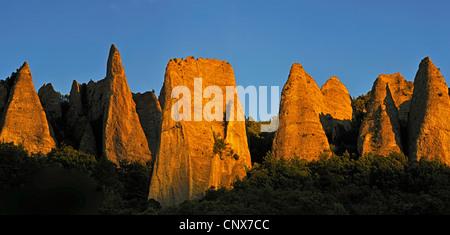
point(150, 115)
point(54, 105)
point(392, 113)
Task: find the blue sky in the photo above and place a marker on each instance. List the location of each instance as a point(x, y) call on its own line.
point(353, 40)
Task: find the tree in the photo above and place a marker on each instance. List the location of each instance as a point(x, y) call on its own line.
point(16, 165)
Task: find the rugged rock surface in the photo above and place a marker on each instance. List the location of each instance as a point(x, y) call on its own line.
point(51, 102)
point(23, 120)
point(123, 137)
point(101, 117)
point(428, 124)
point(401, 91)
point(338, 112)
point(88, 142)
point(149, 111)
point(380, 129)
point(300, 132)
point(75, 119)
point(338, 102)
point(195, 155)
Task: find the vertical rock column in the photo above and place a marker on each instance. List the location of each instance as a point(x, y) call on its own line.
point(24, 120)
point(429, 118)
point(123, 136)
point(197, 154)
point(300, 132)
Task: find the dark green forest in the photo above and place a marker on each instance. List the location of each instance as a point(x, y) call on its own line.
point(340, 185)
point(67, 181)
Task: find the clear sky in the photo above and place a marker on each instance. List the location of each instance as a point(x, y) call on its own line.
point(353, 40)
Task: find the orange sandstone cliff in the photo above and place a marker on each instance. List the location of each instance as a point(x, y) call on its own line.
point(198, 154)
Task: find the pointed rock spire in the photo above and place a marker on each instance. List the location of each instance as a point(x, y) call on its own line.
point(24, 120)
point(300, 132)
point(123, 136)
point(428, 129)
point(114, 66)
point(75, 119)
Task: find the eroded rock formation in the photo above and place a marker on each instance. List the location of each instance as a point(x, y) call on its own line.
point(23, 120)
point(123, 137)
point(149, 111)
point(197, 154)
point(429, 118)
point(338, 112)
point(51, 102)
point(338, 102)
point(101, 117)
point(382, 128)
point(206, 148)
point(300, 132)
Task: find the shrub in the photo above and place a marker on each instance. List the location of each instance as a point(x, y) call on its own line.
point(69, 158)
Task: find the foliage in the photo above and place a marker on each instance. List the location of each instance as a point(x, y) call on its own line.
point(341, 184)
point(16, 166)
point(222, 148)
point(69, 158)
point(259, 143)
point(69, 181)
point(359, 105)
point(219, 144)
point(372, 184)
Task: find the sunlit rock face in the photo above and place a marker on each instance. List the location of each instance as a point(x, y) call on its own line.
point(337, 100)
point(300, 132)
point(337, 115)
point(123, 137)
point(201, 152)
point(382, 128)
point(429, 117)
point(23, 119)
point(101, 118)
